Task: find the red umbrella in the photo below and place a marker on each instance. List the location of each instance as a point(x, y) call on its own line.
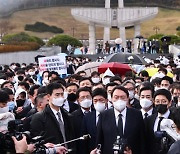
point(115, 67)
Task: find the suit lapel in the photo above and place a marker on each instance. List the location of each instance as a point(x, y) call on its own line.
point(128, 122)
point(112, 121)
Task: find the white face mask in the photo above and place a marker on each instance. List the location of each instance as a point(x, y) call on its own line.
point(156, 88)
point(58, 101)
point(31, 73)
point(95, 80)
point(86, 103)
point(164, 88)
point(145, 103)
point(65, 95)
point(45, 81)
point(178, 104)
point(4, 109)
point(131, 94)
point(169, 69)
point(106, 81)
point(100, 106)
point(119, 105)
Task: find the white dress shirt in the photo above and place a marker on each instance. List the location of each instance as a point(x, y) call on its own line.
point(66, 106)
point(149, 112)
point(85, 110)
point(55, 113)
point(165, 115)
point(116, 112)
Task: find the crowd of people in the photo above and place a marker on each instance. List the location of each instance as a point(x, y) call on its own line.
point(108, 107)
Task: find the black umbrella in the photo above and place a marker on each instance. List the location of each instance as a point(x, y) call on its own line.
point(139, 37)
point(125, 58)
point(166, 39)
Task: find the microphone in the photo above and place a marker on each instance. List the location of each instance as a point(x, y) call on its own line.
point(84, 137)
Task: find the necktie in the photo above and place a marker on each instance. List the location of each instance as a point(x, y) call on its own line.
point(61, 125)
point(159, 123)
point(145, 115)
point(120, 126)
point(97, 118)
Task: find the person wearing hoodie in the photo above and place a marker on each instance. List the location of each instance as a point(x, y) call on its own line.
point(22, 104)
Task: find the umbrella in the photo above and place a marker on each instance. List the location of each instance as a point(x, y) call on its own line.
point(166, 39)
point(89, 67)
point(118, 41)
point(153, 71)
point(139, 37)
point(62, 54)
point(116, 68)
point(125, 58)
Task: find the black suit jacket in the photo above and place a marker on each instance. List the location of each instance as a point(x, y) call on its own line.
point(153, 144)
point(136, 104)
point(89, 127)
point(23, 113)
point(73, 107)
point(45, 123)
point(133, 132)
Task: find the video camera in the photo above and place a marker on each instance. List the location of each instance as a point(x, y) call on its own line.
point(120, 145)
point(15, 128)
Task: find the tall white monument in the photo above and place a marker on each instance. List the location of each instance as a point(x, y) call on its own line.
point(108, 17)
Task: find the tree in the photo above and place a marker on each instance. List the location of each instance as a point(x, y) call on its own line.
point(5, 27)
point(63, 41)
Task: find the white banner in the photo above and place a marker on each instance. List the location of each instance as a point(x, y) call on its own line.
point(53, 63)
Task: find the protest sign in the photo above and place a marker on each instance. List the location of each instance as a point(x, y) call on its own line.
point(53, 63)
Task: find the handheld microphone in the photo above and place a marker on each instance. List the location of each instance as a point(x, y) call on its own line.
point(84, 137)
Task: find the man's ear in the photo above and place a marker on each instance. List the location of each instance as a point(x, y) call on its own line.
point(169, 104)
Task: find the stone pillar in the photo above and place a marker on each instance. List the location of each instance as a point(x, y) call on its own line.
point(137, 31)
point(106, 36)
point(92, 38)
point(120, 3)
point(107, 4)
point(123, 36)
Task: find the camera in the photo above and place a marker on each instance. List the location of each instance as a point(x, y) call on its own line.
point(120, 145)
point(165, 140)
point(15, 128)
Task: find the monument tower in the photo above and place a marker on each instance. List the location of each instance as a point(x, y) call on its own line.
point(108, 17)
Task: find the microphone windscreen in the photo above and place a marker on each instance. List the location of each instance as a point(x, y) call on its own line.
point(85, 137)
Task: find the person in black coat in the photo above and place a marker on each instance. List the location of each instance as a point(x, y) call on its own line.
point(54, 123)
point(121, 121)
point(162, 100)
point(90, 120)
point(85, 101)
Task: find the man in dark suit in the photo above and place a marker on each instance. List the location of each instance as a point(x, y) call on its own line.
point(84, 98)
point(71, 104)
point(54, 121)
point(90, 120)
point(146, 102)
point(162, 101)
point(121, 121)
point(133, 102)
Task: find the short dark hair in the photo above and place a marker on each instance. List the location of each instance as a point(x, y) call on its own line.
point(85, 78)
point(72, 84)
point(144, 73)
point(114, 78)
point(25, 84)
point(83, 89)
point(53, 86)
point(32, 89)
point(147, 88)
point(4, 97)
point(40, 96)
point(111, 84)
point(120, 88)
point(147, 84)
point(95, 73)
point(9, 91)
point(167, 78)
point(6, 82)
point(81, 72)
point(163, 92)
point(29, 79)
point(99, 91)
point(42, 89)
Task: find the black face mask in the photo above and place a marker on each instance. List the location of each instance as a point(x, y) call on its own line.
point(20, 102)
point(20, 78)
point(161, 108)
point(175, 99)
point(72, 97)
